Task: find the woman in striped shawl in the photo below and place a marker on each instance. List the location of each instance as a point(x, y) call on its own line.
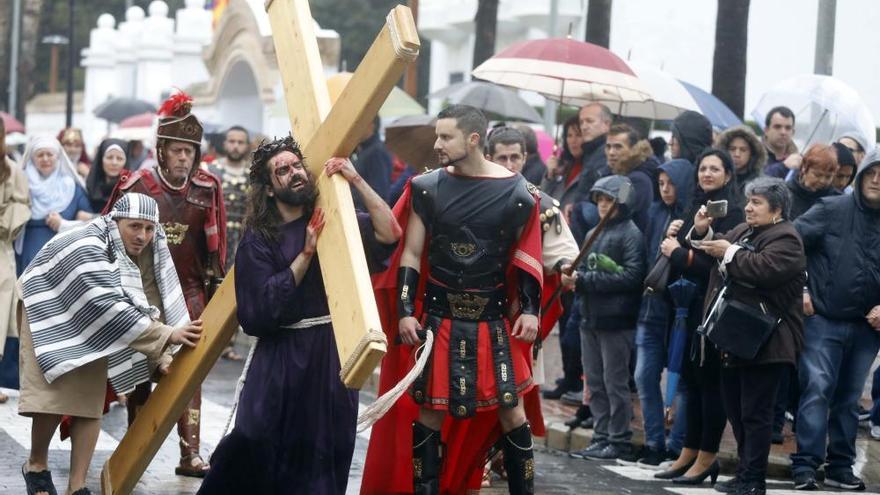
point(99, 301)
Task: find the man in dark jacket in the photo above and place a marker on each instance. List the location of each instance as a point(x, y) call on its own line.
point(534, 169)
point(782, 153)
point(841, 237)
point(691, 134)
point(610, 285)
point(373, 162)
point(632, 157)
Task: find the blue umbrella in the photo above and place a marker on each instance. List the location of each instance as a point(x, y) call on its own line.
point(682, 292)
point(714, 109)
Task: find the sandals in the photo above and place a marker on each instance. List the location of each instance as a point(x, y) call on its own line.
point(229, 354)
point(193, 466)
point(38, 482)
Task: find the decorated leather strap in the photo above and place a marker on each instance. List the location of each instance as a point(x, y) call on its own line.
point(505, 378)
point(407, 285)
point(463, 368)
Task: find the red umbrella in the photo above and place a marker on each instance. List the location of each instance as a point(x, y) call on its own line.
point(565, 70)
point(140, 120)
point(11, 123)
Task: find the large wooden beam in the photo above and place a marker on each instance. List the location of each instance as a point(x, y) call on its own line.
point(154, 421)
point(346, 278)
point(299, 60)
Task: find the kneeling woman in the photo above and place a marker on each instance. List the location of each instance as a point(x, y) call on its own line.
point(762, 262)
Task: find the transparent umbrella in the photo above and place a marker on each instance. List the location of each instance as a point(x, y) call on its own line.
point(825, 108)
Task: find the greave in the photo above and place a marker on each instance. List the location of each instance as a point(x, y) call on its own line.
point(519, 460)
point(426, 460)
point(188, 426)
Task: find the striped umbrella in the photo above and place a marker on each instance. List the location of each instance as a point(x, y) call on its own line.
point(565, 70)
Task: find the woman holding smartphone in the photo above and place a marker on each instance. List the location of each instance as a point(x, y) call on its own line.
point(701, 370)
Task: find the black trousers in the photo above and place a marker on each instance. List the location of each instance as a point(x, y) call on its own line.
point(705, 409)
point(569, 342)
point(749, 397)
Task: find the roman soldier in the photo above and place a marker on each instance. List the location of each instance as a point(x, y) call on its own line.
point(469, 271)
point(193, 216)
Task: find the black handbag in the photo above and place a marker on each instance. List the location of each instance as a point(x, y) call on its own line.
point(658, 277)
point(738, 328)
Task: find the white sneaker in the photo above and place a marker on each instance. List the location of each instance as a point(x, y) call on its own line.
point(875, 431)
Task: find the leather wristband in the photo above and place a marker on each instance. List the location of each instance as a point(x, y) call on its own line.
point(529, 294)
point(407, 285)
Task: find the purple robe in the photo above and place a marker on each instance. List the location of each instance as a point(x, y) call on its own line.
point(295, 427)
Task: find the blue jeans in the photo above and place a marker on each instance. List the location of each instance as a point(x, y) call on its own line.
point(650, 361)
point(833, 368)
point(875, 396)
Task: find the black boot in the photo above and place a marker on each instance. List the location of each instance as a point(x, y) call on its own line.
point(519, 461)
point(426, 460)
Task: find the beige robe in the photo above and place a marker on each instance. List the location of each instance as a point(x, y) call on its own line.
point(80, 392)
point(15, 211)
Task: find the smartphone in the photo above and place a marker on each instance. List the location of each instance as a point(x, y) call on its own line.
point(716, 209)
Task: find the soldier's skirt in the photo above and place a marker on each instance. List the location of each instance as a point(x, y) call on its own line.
point(475, 366)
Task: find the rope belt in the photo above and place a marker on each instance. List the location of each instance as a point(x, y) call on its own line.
point(308, 323)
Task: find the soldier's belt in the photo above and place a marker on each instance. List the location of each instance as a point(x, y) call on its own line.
point(471, 305)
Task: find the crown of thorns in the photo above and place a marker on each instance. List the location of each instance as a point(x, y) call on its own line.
point(266, 150)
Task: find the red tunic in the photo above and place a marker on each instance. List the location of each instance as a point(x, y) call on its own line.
point(388, 468)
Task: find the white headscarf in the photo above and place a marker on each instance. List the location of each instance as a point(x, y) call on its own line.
point(55, 192)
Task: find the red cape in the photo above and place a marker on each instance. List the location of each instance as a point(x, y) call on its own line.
point(388, 467)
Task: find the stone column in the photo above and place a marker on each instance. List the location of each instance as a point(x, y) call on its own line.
point(99, 60)
point(154, 54)
point(193, 31)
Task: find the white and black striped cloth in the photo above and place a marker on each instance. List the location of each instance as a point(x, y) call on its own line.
point(85, 299)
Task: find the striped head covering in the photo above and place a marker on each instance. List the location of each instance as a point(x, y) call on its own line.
point(85, 298)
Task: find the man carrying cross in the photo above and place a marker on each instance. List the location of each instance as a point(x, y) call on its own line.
point(295, 427)
point(468, 270)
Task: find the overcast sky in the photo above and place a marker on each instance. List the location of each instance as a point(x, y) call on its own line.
point(679, 36)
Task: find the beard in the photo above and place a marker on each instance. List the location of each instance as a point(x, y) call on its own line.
point(236, 157)
point(446, 160)
point(304, 196)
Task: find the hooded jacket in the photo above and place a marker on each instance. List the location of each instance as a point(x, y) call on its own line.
point(681, 173)
point(641, 169)
point(841, 237)
point(693, 133)
point(608, 299)
point(757, 158)
point(655, 307)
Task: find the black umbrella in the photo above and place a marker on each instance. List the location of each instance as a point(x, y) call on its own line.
point(117, 109)
point(497, 102)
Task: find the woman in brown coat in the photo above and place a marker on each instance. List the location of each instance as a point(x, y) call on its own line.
point(762, 262)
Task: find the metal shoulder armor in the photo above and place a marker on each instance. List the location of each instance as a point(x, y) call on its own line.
point(424, 193)
point(520, 204)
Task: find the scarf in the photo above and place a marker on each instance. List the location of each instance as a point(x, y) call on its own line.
point(54, 192)
point(85, 299)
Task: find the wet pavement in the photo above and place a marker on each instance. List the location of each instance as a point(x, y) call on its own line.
point(556, 473)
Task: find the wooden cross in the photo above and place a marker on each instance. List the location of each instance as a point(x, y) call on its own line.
point(323, 132)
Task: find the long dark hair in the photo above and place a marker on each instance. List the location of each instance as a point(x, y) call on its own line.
point(262, 215)
point(4, 166)
point(567, 157)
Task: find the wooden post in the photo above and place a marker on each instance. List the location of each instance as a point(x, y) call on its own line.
point(346, 279)
point(158, 416)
